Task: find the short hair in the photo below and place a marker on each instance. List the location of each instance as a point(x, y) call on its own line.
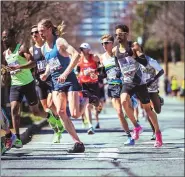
point(124, 28)
point(108, 36)
point(34, 26)
point(10, 31)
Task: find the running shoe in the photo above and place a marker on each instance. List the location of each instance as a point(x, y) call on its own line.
point(129, 141)
point(18, 143)
point(153, 137)
point(9, 142)
point(77, 148)
point(136, 132)
point(3, 148)
point(56, 137)
point(158, 141)
point(97, 125)
point(91, 131)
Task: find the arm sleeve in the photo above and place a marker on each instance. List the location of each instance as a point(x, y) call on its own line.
point(102, 72)
point(142, 60)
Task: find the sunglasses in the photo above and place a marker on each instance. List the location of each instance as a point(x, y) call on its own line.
point(106, 43)
point(36, 32)
point(121, 34)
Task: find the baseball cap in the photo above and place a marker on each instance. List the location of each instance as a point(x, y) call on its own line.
point(85, 46)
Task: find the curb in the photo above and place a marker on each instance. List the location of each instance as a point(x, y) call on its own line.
point(31, 129)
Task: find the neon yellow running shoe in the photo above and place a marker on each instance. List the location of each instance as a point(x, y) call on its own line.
point(57, 136)
point(18, 143)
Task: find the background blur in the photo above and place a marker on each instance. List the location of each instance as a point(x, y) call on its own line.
point(157, 26)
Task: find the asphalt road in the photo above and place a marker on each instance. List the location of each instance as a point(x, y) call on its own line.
point(105, 153)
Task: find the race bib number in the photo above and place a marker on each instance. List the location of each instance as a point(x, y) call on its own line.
point(54, 64)
point(15, 63)
point(111, 73)
point(41, 65)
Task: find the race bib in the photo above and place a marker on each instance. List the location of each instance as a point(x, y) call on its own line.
point(41, 65)
point(54, 64)
point(111, 74)
point(15, 63)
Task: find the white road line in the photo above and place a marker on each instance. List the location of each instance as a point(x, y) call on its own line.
point(182, 149)
point(108, 153)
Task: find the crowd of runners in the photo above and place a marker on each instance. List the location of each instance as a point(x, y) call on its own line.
point(70, 84)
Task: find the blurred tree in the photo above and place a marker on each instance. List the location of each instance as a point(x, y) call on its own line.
point(158, 21)
point(169, 24)
point(21, 15)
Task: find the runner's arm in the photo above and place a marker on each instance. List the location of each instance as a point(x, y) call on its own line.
point(24, 51)
point(63, 45)
point(138, 54)
point(31, 50)
point(153, 63)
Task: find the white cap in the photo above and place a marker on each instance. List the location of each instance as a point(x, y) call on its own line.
point(85, 46)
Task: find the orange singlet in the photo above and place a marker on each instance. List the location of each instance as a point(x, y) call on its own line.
point(84, 67)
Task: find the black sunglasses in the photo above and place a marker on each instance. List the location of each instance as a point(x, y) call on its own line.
point(105, 43)
point(36, 32)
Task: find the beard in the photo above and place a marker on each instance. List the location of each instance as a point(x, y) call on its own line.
point(120, 40)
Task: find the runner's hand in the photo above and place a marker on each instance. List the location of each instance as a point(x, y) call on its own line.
point(13, 68)
point(43, 77)
point(62, 78)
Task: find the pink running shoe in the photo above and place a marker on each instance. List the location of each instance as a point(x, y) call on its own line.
point(158, 141)
point(9, 142)
point(136, 132)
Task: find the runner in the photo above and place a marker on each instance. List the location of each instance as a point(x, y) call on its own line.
point(65, 86)
point(88, 78)
point(129, 58)
point(152, 83)
point(113, 74)
point(19, 61)
point(44, 89)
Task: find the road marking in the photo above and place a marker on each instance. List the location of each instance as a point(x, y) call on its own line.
point(108, 153)
point(182, 149)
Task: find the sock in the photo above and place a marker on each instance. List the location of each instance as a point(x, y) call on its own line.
point(9, 135)
point(128, 133)
point(137, 125)
point(18, 136)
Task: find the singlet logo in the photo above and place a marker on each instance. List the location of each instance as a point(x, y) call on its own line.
point(36, 52)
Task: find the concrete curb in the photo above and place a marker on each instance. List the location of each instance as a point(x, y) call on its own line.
point(31, 129)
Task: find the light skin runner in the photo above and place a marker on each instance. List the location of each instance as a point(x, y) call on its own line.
point(114, 82)
point(65, 85)
point(88, 78)
point(44, 89)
